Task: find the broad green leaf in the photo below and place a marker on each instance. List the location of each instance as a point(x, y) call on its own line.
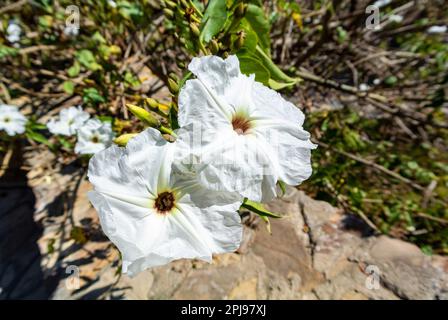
point(38, 138)
point(215, 17)
point(251, 65)
point(259, 209)
point(260, 24)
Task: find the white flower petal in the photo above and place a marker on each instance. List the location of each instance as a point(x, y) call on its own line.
point(215, 72)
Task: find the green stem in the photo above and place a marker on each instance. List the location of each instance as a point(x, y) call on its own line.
point(273, 68)
point(196, 8)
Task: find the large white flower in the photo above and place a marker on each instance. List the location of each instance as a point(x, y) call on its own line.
point(94, 136)
point(11, 120)
point(13, 32)
point(70, 120)
point(155, 215)
point(245, 136)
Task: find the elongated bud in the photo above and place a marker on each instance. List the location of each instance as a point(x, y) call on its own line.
point(180, 64)
point(240, 10)
point(214, 46)
point(152, 103)
point(165, 109)
point(168, 13)
point(144, 116)
point(123, 140)
point(239, 42)
point(173, 76)
point(194, 28)
point(173, 86)
point(170, 4)
point(184, 3)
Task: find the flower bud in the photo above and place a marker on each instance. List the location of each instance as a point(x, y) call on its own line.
point(168, 13)
point(170, 4)
point(214, 46)
point(152, 103)
point(123, 140)
point(173, 86)
point(194, 28)
point(240, 10)
point(173, 76)
point(184, 3)
point(144, 115)
point(239, 42)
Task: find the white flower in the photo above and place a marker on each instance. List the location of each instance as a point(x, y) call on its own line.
point(112, 3)
point(11, 120)
point(381, 3)
point(396, 18)
point(13, 32)
point(364, 87)
point(70, 120)
point(71, 31)
point(437, 29)
point(244, 135)
point(94, 136)
point(154, 215)
point(376, 81)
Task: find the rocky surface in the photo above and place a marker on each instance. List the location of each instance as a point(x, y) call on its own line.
point(315, 251)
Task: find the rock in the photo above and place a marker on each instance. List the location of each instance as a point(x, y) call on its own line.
point(315, 251)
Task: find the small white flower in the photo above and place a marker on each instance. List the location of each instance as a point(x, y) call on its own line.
point(13, 32)
point(112, 3)
point(70, 120)
point(249, 136)
point(94, 136)
point(364, 87)
point(11, 120)
point(381, 3)
point(437, 29)
point(155, 215)
point(71, 31)
point(396, 18)
point(376, 81)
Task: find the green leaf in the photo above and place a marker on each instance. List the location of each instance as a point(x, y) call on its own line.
point(260, 24)
point(38, 138)
point(87, 59)
point(68, 87)
point(92, 95)
point(74, 70)
point(276, 73)
point(215, 17)
point(259, 209)
point(251, 65)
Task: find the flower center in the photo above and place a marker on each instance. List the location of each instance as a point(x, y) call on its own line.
point(6, 120)
point(95, 139)
point(240, 124)
point(164, 202)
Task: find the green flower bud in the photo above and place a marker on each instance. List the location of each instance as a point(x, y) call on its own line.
point(170, 4)
point(152, 103)
point(173, 86)
point(168, 13)
point(143, 115)
point(240, 10)
point(194, 28)
point(214, 46)
point(239, 42)
point(123, 140)
point(173, 76)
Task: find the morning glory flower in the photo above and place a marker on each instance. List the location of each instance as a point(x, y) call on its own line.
point(11, 120)
point(437, 29)
point(70, 120)
point(94, 136)
point(152, 213)
point(244, 136)
point(13, 32)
